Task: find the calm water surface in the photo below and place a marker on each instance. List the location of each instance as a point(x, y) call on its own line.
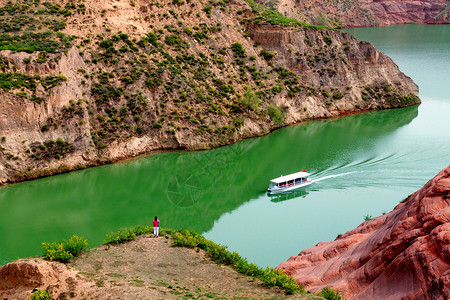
point(363, 165)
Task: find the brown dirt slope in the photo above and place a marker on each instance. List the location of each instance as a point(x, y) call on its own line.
point(404, 254)
point(145, 268)
point(358, 13)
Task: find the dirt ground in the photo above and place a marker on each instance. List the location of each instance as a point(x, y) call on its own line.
point(146, 268)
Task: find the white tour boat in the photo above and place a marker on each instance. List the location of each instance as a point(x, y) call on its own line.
point(289, 182)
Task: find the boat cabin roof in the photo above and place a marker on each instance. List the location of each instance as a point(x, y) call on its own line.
point(290, 177)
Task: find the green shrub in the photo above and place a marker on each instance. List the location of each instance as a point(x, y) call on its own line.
point(177, 41)
point(138, 129)
point(266, 54)
point(64, 250)
point(337, 96)
point(238, 50)
point(275, 114)
point(368, 217)
point(330, 294)
point(207, 10)
point(125, 234)
point(41, 295)
point(75, 245)
point(327, 40)
point(272, 277)
point(250, 100)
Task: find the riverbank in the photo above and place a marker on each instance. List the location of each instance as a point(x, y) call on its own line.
point(144, 268)
point(61, 169)
point(206, 78)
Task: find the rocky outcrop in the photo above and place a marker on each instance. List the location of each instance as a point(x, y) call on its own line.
point(18, 279)
point(368, 13)
point(404, 254)
point(205, 77)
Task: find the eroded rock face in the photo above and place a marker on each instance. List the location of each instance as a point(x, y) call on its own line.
point(195, 95)
point(404, 254)
point(368, 13)
point(18, 279)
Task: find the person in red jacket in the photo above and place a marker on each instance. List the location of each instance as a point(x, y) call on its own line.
point(156, 227)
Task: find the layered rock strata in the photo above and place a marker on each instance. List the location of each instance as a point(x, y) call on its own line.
point(404, 254)
point(120, 80)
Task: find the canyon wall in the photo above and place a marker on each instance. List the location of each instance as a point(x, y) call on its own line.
point(98, 82)
point(404, 254)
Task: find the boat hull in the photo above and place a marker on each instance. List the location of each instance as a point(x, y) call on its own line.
point(287, 189)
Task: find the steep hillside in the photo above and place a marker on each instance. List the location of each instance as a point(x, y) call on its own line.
point(356, 13)
point(404, 254)
point(89, 82)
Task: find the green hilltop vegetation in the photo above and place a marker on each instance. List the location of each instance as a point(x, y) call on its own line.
point(65, 250)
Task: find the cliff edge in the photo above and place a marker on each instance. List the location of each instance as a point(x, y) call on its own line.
point(404, 254)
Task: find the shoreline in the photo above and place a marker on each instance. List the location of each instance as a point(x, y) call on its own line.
point(62, 169)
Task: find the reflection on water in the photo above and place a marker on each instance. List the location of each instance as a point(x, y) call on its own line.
point(300, 193)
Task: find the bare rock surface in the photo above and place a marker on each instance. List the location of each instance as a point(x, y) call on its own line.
point(404, 254)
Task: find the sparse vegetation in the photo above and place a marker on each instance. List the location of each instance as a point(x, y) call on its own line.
point(221, 255)
point(200, 83)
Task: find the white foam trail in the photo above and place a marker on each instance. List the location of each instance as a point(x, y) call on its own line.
point(332, 176)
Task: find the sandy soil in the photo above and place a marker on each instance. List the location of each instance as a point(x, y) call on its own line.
point(146, 268)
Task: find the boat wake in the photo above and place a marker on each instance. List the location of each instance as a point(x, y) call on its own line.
point(331, 176)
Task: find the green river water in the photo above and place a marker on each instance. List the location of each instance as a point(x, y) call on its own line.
point(362, 164)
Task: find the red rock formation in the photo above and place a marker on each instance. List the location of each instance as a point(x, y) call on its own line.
point(404, 254)
point(364, 13)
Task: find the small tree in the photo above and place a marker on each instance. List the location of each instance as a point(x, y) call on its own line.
point(250, 100)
